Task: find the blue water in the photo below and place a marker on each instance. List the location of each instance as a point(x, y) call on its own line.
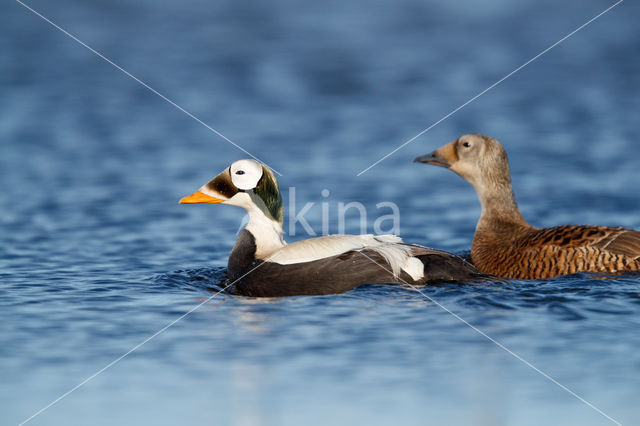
point(96, 255)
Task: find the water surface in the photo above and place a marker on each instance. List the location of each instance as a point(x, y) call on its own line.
point(96, 255)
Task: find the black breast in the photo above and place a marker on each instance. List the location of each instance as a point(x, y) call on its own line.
point(242, 255)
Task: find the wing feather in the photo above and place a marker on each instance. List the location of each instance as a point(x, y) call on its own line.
point(620, 241)
point(625, 242)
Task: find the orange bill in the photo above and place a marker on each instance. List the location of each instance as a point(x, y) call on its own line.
point(200, 197)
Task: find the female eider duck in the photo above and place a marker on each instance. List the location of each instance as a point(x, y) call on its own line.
point(505, 245)
point(262, 264)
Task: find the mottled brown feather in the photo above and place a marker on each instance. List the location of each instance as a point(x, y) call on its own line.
point(521, 251)
point(533, 254)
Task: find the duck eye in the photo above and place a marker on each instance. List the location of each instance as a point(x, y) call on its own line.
point(240, 172)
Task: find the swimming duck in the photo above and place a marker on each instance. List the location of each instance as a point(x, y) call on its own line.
point(505, 245)
point(262, 264)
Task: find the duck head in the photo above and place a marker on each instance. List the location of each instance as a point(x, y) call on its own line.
point(482, 161)
point(247, 184)
point(477, 158)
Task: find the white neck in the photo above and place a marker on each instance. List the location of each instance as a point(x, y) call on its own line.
point(267, 233)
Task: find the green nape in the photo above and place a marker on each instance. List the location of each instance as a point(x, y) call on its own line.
point(269, 192)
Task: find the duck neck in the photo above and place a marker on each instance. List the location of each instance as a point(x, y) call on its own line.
point(267, 233)
point(261, 237)
point(499, 203)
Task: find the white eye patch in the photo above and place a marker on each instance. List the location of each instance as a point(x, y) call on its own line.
point(245, 174)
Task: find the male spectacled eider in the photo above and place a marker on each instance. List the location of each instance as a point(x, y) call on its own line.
point(505, 245)
point(262, 264)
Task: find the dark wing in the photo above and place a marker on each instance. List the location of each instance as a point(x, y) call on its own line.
point(331, 275)
point(621, 241)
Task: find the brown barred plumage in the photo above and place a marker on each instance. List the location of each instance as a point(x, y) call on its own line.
point(505, 245)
